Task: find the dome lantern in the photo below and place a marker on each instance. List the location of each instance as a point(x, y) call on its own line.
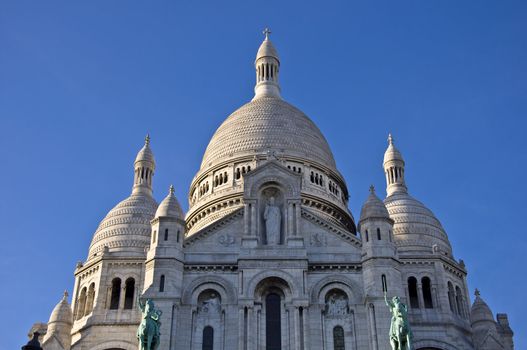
point(394, 169)
point(144, 167)
point(267, 65)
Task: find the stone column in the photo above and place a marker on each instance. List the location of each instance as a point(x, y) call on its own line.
point(290, 216)
point(420, 295)
point(251, 329)
point(241, 328)
point(296, 325)
point(253, 219)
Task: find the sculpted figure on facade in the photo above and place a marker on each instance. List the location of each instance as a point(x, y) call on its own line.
point(272, 217)
point(211, 305)
point(400, 332)
point(337, 305)
point(148, 331)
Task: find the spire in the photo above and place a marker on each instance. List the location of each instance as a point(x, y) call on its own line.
point(394, 169)
point(267, 65)
point(144, 167)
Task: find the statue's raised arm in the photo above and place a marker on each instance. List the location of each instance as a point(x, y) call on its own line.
point(387, 301)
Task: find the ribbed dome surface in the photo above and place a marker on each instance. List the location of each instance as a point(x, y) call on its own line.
point(267, 49)
point(268, 124)
point(416, 228)
point(126, 228)
point(145, 154)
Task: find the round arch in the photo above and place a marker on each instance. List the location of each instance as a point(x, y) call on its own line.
point(350, 287)
point(223, 287)
point(288, 280)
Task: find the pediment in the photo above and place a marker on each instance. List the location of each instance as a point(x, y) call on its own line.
point(224, 233)
point(321, 232)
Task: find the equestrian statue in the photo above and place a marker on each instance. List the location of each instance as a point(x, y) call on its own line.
point(400, 332)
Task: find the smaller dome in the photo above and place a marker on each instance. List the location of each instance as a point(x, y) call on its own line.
point(145, 154)
point(392, 153)
point(480, 311)
point(170, 207)
point(267, 48)
point(373, 207)
point(62, 312)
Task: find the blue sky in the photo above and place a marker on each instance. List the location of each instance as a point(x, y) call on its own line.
point(82, 82)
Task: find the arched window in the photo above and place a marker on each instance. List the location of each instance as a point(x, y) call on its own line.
point(166, 234)
point(451, 297)
point(378, 234)
point(412, 291)
point(129, 294)
point(89, 300)
point(162, 283)
point(338, 338)
point(116, 294)
point(459, 302)
point(273, 326)
point(208, 338)
point(427, 293)
point(81, 304)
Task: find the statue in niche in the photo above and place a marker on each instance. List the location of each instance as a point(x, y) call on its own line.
point(337, 305)
point(211, 305)
point(272, 217)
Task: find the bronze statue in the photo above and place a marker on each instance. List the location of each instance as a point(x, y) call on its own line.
point(148, 331)
point(400, 332)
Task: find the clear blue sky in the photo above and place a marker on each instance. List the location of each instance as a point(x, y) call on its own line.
point(82, 82)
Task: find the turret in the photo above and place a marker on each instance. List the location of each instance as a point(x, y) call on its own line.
point(59, 326)
point(165, 257)
point(376, 228)
point(394, 169)
point(267, 65)
point(144, 167)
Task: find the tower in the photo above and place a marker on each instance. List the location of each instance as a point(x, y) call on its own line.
point(164, 262)
point(267, 66)
point(108, 282)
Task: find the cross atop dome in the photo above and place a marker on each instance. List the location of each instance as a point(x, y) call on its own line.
point(147, 139)
point(266, 32)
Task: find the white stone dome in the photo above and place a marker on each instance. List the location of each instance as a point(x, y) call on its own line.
point(416, 229)
point(126, 228)
point(62, 312)
point(373, 208)
point(169, 207)
point(264, 124)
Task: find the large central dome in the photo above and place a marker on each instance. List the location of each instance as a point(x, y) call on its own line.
point(266, 128)
point(268, 124)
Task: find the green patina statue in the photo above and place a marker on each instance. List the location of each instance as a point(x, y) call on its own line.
point(400, 332)
point(148, 331)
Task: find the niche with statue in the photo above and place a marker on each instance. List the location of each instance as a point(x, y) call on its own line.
point(272, 216)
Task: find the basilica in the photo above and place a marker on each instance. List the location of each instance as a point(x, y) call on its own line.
point(268, 255)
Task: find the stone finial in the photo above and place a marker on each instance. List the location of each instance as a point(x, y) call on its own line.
point(171, 190)
point(390, 139)
point(372, 189)
point(147, 139)
point(266, 32)
point(66, 294)
point(477, 293)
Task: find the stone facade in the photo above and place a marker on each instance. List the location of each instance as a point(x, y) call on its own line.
point(269, 255)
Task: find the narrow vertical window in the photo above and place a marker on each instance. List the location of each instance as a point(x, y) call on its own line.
point(89, 300)
point(166, 234)
point(451, 296)
point(459, 302)
point(273, 326)
point(177, 236)
point(81, 304)
point(427, 293)
point(154, 236)
point(367, 236)
point(116, 294)
point(378, 234)
point(338, 338)
point(412, 291)
point(129, 294)
point(162, 283)
point(208, 338)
